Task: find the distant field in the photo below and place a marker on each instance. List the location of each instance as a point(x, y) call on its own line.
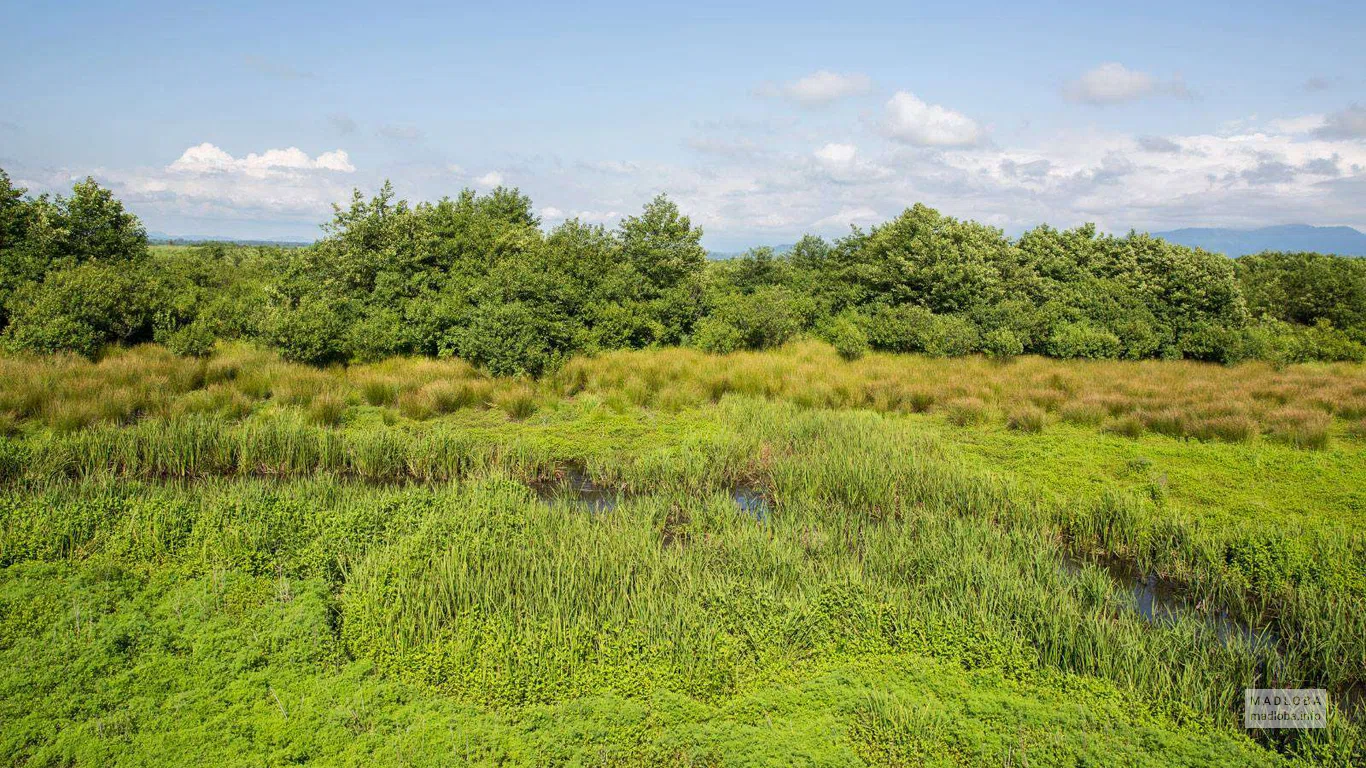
point(670, 558)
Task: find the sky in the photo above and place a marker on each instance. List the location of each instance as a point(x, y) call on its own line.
point(763, 122)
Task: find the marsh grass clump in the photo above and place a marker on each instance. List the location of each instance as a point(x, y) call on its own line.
point(327, 408)
point(1083, 413)
point(518, 401)
point(965, 411)
point(1027, 419)
point(1300, 427)
point(379, 391)
point(1228, 429)
point(1167, 421)
point(1126, 426)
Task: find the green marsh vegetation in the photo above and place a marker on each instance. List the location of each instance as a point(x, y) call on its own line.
point(344, 504)
point(215, 565)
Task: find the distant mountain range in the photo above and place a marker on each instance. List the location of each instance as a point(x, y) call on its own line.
point(1344, 241)
point(778, 250)
point(162, 238)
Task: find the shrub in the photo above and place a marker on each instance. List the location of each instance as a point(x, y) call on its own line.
point(1214, 344)
point(80, 310)
point(1082, 340)
point(903, 328)
point(311, 332)
point(714, 335)
point(195, 339)
point(847, 337)
point(952, 336)
point(519, 338)
point(767, 318)
point(1002, 343)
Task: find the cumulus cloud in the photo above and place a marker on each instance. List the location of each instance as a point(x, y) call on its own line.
point(208, 158)
point(1349, 123)
point(848, 216)
point(1114, 83)
point(911, 121)
point(821, 88)
point(805, 180)
point(842, 163)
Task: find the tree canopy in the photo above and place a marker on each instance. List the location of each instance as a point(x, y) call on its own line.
point(477, 277)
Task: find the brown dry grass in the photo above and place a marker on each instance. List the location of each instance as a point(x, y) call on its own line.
point(1300, 405)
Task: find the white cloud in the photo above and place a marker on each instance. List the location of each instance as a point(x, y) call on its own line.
point(551, 212)
point(848, 216)
point(843, 164)
point(336, 160)
point(822, 88)
point(207, 158)
point(490, 179)
point(1114, 83)
point(912, 121)
point(837, 154)
point(1300, 124)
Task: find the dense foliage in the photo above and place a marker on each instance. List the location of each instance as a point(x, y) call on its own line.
point(477, 277)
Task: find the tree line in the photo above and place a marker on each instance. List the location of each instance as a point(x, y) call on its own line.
point(477, 277)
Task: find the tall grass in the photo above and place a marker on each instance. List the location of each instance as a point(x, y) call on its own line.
point(1297, 405)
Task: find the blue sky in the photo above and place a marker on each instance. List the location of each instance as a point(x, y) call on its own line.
point(763, 122)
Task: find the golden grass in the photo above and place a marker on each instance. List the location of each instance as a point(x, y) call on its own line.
point(1298, 405)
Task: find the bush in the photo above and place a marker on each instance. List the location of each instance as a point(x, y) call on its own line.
point(80, 310)
point(194, 339)
point(1214, 344)
point(952, 336)
point(766, 318)
point(512, 339)
point(378, 333)
point(904, 328)
point(847, 337)
point(1002, 343)
point(312, 332)
point(714, 335)
point(1082, 340)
